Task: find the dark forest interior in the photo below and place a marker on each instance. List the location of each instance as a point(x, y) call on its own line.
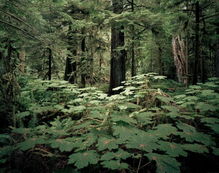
point(104, 86)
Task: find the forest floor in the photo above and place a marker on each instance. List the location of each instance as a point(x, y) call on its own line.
point(153, 125)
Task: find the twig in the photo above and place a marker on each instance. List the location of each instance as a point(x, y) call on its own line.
point(145, 165)
point(94, 119)
point(139, 164)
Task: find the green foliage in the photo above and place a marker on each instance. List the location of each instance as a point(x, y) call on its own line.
point(83, 159)
point(90, 128)
point(165, 163)
point(114, 165)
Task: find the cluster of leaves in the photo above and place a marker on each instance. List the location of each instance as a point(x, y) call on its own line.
point(131, 131)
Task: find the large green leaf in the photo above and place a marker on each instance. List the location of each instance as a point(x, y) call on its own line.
point(214, 127)
point(118, 118)
point(165, 163)
point(171, 108)
point(196, 148)
point(204, 107)
point(124, 133)
point(89, 140)
point(65, 144)
point(120, 154)
point(164, 99)
point(21, 130)
point(191, 135)
point(114, 165)
point(107, 143)
point(144, 117)
point(172, 149)
point(30, 143)
point(163, 131)
point(83, 159)
point(143, 141)
point(210, 120)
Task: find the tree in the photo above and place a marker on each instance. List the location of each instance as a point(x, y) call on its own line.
point(217, 44)
point(118, 55)
point(71, 62)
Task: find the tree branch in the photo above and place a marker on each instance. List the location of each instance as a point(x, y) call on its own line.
point(20, 29)
point(17, 18)
point(207, 17)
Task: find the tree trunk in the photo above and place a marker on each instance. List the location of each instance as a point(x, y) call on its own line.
point(22, 57)
point(70, 70)
point(160, 63)
point(197, 44)
point(217, 47)
point(133, 71)
point(83, 73)
point(217, 60)
point(117, 69)
point(100, 63)
point(71, 64)
point(9, 86)
point(50, 64)
point(159, 57)
point(180, 59)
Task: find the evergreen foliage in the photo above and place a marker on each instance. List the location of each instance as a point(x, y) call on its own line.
point(109, 86)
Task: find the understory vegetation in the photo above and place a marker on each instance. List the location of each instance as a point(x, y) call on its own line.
point(153, 125)
point(109, 86)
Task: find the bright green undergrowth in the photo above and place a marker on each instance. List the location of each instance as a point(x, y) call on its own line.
point(130, 131)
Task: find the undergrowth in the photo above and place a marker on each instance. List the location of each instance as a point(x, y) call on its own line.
point(63, 128)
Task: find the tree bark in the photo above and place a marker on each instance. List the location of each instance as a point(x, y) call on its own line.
point(159, 57)
point(133, 71)
point(118, 60)
point(50, 64)
point(70, 70)
point(180, 59)
point(197, 43)
point(217, 60)
point(71, 64)
point(160, 63)
point(217, 46)
point(22, 57)
point(83, 73)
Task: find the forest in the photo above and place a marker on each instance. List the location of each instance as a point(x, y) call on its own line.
point(109, 86)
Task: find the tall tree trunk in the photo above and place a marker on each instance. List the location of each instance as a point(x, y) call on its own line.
point(118, 60)
point(133, 70)
point(217, 46)
point(159, 57)
point(180, 59)
point(50, 64)
point(91, 67)
point(70, 69)
point(217, 60)
point(71, 64)
point(160, 63)
point(100, 63)
point(197, 43)
point(9, 86)
point(22, 57)
point(83, 73)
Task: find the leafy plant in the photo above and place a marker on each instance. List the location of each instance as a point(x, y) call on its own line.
point(143, 124)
